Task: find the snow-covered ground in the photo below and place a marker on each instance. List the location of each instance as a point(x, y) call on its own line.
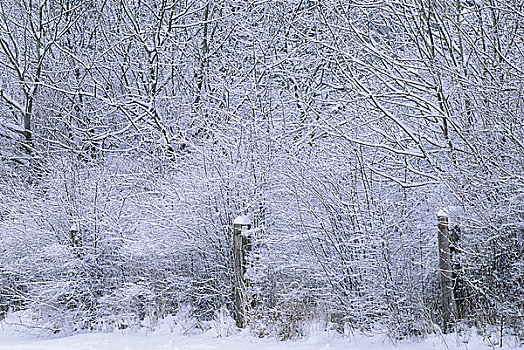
point(165, 339)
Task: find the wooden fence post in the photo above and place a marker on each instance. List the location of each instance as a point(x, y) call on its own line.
point(241, 249)
point(74, 235)
point(449, 308)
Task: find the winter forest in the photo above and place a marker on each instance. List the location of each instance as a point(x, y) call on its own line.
point(134, 132)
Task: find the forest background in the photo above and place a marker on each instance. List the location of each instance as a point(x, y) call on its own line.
point(133, 133)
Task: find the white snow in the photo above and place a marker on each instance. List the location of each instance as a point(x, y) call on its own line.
point(74, 227)
point(172, 340)
point(15, 127)
point(243, 220)
point(443, 213)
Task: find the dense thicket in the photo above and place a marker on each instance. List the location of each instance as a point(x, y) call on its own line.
point(132, 133)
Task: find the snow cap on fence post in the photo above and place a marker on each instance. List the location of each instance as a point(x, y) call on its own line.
point(243, 222)
point(443, 213)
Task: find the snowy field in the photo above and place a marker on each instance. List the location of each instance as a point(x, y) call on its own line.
point(166, 340)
